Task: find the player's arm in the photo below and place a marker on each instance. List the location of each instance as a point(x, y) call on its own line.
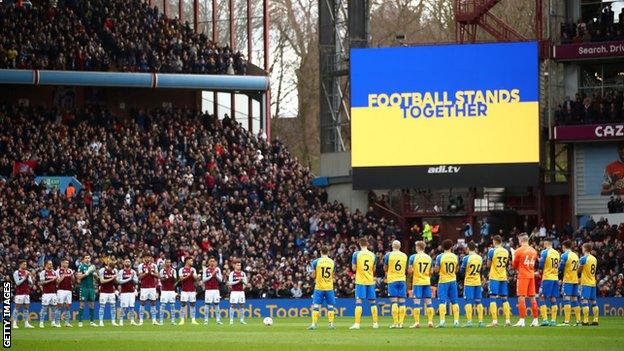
point(582, 261)
point(313, 272)
point(206, 276)
point(231, 280)
point(562, 262)
point(135, 278)
point(17, 279)
point(542, 260)
point(374, 265)
point(386, 259)
point(410, 263)
point(244, 280)
point(354, 262)
point(219, 275)
point(462, 267)
point(120, 278)
point(142, 274)
point(488, 258)
point(436, 268)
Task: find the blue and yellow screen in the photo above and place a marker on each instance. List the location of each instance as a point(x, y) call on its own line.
point(450, 104)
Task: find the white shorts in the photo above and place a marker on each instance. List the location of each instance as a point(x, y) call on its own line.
point(64, 297)
point(22, 299)
point(188, 296)
point(167, 297)
point(107, 298)
point(148, 294)
point(212, 296)
point(237, 297)
point(127, 299)
point(48, 299)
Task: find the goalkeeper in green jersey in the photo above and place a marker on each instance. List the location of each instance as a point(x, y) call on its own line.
point(84, 275)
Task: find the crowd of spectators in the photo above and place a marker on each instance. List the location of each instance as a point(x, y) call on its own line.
point(602, 27)
point(171, 183)
point(174, 183)
point(102, 35)
point(597, 108)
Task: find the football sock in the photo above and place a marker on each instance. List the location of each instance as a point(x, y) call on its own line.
point(480, 312)
point(493, 311)
point(553, 312)
point(217, 311)
point(374, 313)
point(506, 310)
point(330, 314)
point(315, 315)
point(102, 306)
point(534, 309)
point(577, 311)
point(567, 311)
point(141, 310)
point(43, 314)
point(442, 312)
point(192, 310)
point(544, 311)
point(402, 312)
point(455, 308)
point(468, 309)
point(91, 313)
point(430, 313)
point(231, 313)
point(595, 311)
point(80, 314)
point(585, 312)
point(358, 313)
point(416, 313)
point(153, 311)
point(522, 308)
point(241, 312)
point(395, 313)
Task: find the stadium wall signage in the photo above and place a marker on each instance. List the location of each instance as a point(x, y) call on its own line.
point(588, 50)
point(286, 308)
point(589, 132)
point(430, 116)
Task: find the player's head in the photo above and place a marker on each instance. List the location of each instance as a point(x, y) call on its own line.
point(497, 240)
point(48, 264)
point(547, 244)
point(472, 247)
point(212, 262)
point(420, 246)
point(22, 264)
point(587, 248)
point(111, 263)
point(146, 258)
point(86, 259)
point(237, 265)
point(567, 245)
point(363, 243)
point(324, 250)
point(396, 245)
point(447, 244)
point(620, 149)
point(64, 263)
point(168, 263)
point(127, 263)
point(523, 239)
point(188, 261)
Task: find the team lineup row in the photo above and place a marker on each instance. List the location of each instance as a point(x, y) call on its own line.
point(57, 286)
point(577, 274)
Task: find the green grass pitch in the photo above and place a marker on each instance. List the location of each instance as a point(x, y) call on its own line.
point(291, 334)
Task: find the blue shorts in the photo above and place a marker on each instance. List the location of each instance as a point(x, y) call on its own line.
point(588, 292)
point(447, 291)
point(498, 288)
point(570, 290)
point(366, 292)
point(421, 291)
point(473, 292)
point(320, 296)
point(397, 289)
point(549, 288)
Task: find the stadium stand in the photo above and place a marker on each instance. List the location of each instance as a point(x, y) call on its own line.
point(597, 108)
point(599, 28)
point(173, 183)
point(108, 35)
